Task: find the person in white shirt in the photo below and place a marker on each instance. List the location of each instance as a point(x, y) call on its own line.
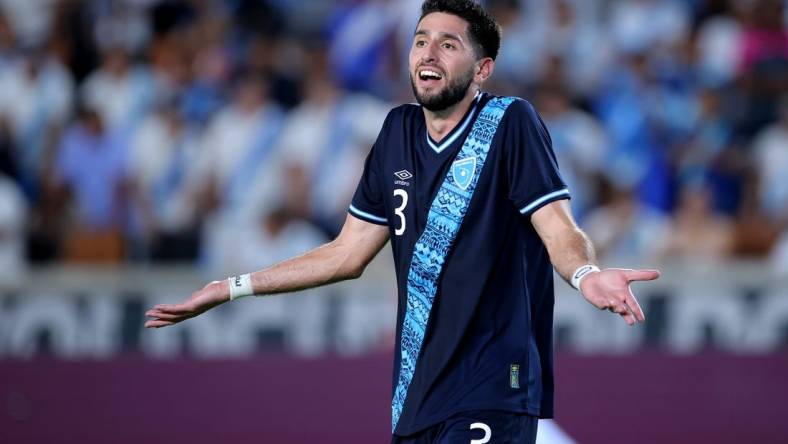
point(36, 99)
point(164, 212)
point(328, 136)
point(120, 90)
point(239, 166)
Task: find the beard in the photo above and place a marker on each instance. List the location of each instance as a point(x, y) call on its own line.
point(449, 96)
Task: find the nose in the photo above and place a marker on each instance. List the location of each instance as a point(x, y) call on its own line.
point(429, 52)
point(432, 51)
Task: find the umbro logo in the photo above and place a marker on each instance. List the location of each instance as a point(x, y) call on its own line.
point(403, 175)
point(401, 178)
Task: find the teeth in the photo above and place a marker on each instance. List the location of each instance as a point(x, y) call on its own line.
point(424, 74)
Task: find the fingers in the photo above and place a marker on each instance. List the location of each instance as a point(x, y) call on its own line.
point(161, 315)
point(634, 307)
point(628, 318)
point(173, 308)
point(641, 275)
point(156, 323)
point(162, 318)
point(616, 295)
point(623, 311)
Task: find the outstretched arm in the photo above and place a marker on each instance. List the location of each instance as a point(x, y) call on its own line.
point(345, 257)
point(570, 249)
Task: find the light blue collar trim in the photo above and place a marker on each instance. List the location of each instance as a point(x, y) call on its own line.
point(457, 131)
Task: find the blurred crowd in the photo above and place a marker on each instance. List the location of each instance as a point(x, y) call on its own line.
point(231, 134)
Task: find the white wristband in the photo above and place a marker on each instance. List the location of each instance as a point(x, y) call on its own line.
point(580, 273)
point(240, 286)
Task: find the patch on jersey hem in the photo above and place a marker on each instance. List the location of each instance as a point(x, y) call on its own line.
point(514, 376)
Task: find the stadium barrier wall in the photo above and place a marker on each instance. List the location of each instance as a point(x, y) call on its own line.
point(76, 365)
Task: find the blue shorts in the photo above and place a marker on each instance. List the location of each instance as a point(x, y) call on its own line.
point(493, 425)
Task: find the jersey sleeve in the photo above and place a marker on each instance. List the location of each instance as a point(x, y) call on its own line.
point(368, 203)
point(534, 179)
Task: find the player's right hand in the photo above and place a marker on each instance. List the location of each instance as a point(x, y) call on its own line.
point(213, 294)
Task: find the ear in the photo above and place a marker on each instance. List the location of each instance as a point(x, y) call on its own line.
point(485, 69)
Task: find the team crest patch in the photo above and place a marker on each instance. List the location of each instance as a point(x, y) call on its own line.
point(463, 170)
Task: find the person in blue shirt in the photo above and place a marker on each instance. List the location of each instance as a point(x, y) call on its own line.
point(466, 187)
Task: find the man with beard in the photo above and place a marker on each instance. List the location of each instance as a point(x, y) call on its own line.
point(466, 187)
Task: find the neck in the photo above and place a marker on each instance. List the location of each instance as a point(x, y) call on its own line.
point(440, 123)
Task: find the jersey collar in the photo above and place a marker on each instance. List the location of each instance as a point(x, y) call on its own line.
point(455, 133)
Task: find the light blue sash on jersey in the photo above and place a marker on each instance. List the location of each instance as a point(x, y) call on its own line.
point(443, 222)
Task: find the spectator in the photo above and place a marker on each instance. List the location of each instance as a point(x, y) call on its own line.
point(239, 166)
point(210, 70)
point(640, 92)
point(580, 144)
point(330, 127)
point(709, 147)
point(770, 152)
point(120, 91)
point(359, 51)
point(36, 93)
point(763, 65)
point(278, 235)
point(567, 30)
point(637, 157)
point(624, 229)
point(164, 222)
point(90, 175)
point(8, 43)
point(697, 232)
point(717, 45)
point(638, 25)
point(30, 19)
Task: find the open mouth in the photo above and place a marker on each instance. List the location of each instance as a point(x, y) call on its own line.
point(429, 76)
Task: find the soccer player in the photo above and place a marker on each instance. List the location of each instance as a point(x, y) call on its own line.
point(465, 185)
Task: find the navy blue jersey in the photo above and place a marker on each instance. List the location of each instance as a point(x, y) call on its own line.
point(488, 341)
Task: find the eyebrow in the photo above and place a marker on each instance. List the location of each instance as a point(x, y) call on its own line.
point(441, 34)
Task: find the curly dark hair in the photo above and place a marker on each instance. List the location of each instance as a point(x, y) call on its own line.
point(484, 31)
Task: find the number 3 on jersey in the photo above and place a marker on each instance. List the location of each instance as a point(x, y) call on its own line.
point(399, 210)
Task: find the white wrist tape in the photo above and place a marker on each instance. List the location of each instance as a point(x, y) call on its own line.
point(240, 286)
point(580, 273)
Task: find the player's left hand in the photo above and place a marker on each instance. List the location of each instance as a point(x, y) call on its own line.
point(609, 290)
